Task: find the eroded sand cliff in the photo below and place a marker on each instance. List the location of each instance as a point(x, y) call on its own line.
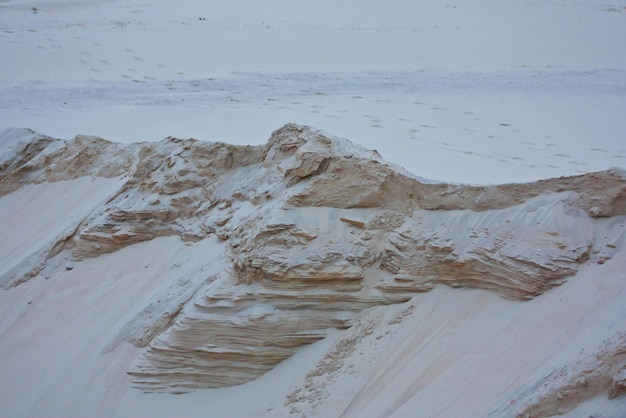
point(313, 230)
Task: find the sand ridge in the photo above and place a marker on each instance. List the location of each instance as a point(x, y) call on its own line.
point(314, 233)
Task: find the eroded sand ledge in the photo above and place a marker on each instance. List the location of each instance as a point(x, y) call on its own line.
point(315, 230)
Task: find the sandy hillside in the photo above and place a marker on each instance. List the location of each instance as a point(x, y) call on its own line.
point(461, 253)
point(196, 273)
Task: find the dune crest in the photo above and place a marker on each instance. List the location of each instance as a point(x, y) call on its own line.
point(315, 229)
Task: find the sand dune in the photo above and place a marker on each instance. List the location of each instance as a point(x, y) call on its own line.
point(188, 265)
point(306, 275)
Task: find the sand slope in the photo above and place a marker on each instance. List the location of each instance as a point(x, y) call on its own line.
point(182, 266)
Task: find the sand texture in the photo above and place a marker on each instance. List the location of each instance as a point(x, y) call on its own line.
point(309, 233)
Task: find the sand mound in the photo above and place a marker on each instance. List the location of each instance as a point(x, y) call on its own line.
point(311, 232)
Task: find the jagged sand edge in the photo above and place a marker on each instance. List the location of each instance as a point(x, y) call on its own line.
point(259, 200)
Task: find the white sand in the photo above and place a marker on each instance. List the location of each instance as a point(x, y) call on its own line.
point(453, 92)
point(486, 92)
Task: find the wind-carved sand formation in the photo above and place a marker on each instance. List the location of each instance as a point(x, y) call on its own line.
point(314, 229)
